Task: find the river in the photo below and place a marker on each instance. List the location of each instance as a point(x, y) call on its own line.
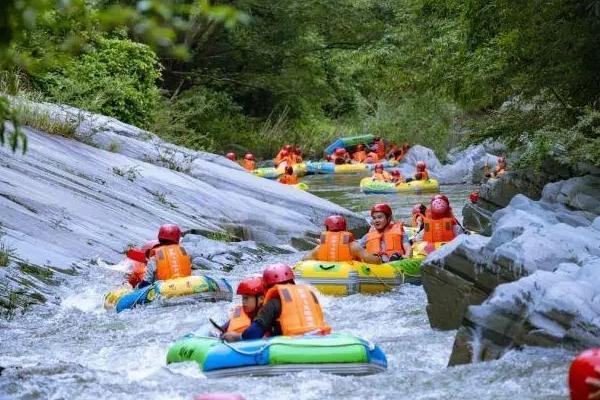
point(76, 350)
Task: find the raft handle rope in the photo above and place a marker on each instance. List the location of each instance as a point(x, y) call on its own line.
point(383, 282)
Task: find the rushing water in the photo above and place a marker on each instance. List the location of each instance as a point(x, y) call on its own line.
point(79, 351)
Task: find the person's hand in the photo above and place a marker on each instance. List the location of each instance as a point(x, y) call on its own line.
point(594, 384)
point(231, 337)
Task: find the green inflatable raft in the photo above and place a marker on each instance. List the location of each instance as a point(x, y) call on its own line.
point(340, 354)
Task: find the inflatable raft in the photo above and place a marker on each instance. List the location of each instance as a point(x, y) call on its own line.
point(336, 353)
point(172, 291)
point(302, 186)
point(326, 167)
point(348, 142)
point(367, 185)
point(274, 173)
point(350, 277)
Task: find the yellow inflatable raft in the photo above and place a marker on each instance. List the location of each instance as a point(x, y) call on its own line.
point(195, 287)
point(350, 277)
point(367, 185)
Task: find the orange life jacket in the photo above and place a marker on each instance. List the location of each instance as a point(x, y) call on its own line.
point(239, 320)
point(359, 156)
point(335, 246)
point(172, 262)
point(288, 179)
point(380, 149)
point(415, 219)
point(383, 176)
point(392, 236)
point(249, 165)
point(422, 176)
point(300, 310)
point(137, 272)
point(439, 230)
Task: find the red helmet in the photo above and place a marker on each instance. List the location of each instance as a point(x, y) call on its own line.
point(360, 147)
point(252, 286)
point(169, 232)
point(249, 156)
point(288, 147)
point(583, 367)
point(230, 155)
point(335, 223)
point(285, 153)
point(417, 209)
point(340, 151)
point(474, 197)
point(441, 197)
point(149, 245)
point(382, 207)
point(421, 166)
point(277, 273)
point(439, 209)
point(395, 173)
point(136, 255)
point(289, 170)
point(378, 167)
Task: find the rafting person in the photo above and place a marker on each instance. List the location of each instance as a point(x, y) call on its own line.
point(283, 155)
point(359, 155)
point(421, 174)
point(288, 309)
point(439, 223)
point(386, 238)
point(498, 170)
point(139, 258)
point(168, 259)
point(337, 244)
point(379, 148)
point(296, 155)
point(231, 156)
point(288, 178)
point(340, 156)
point(397, 177)
point(584, 376)
point(252, 290)
point(418, 215)
point(249, 162)
point(380, 175)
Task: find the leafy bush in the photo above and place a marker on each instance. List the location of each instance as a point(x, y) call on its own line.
point(117, 78)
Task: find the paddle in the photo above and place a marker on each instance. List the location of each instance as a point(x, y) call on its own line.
point(212, 321)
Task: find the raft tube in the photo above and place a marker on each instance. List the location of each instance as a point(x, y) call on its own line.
point(367, 185)
point(169, 292)
point(302, 186)
point(339, 354)
point(274, 173)
point(349, 142)
point(344, 278)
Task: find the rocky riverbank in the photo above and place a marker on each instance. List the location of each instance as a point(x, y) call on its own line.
point(534, 281)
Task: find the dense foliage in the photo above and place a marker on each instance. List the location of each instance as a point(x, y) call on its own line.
point(307, 71)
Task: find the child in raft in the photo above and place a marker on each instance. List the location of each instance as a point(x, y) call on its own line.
point(252, 290)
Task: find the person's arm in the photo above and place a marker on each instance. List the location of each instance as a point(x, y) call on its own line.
point(149, 275)
point(360, 253)
point(311, 255)
point(406, 245)
point(264, 321)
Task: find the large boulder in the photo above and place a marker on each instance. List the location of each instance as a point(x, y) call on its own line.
point(65, 201)
point(529, 239)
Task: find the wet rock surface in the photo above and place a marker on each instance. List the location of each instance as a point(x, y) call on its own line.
point(529, 283)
